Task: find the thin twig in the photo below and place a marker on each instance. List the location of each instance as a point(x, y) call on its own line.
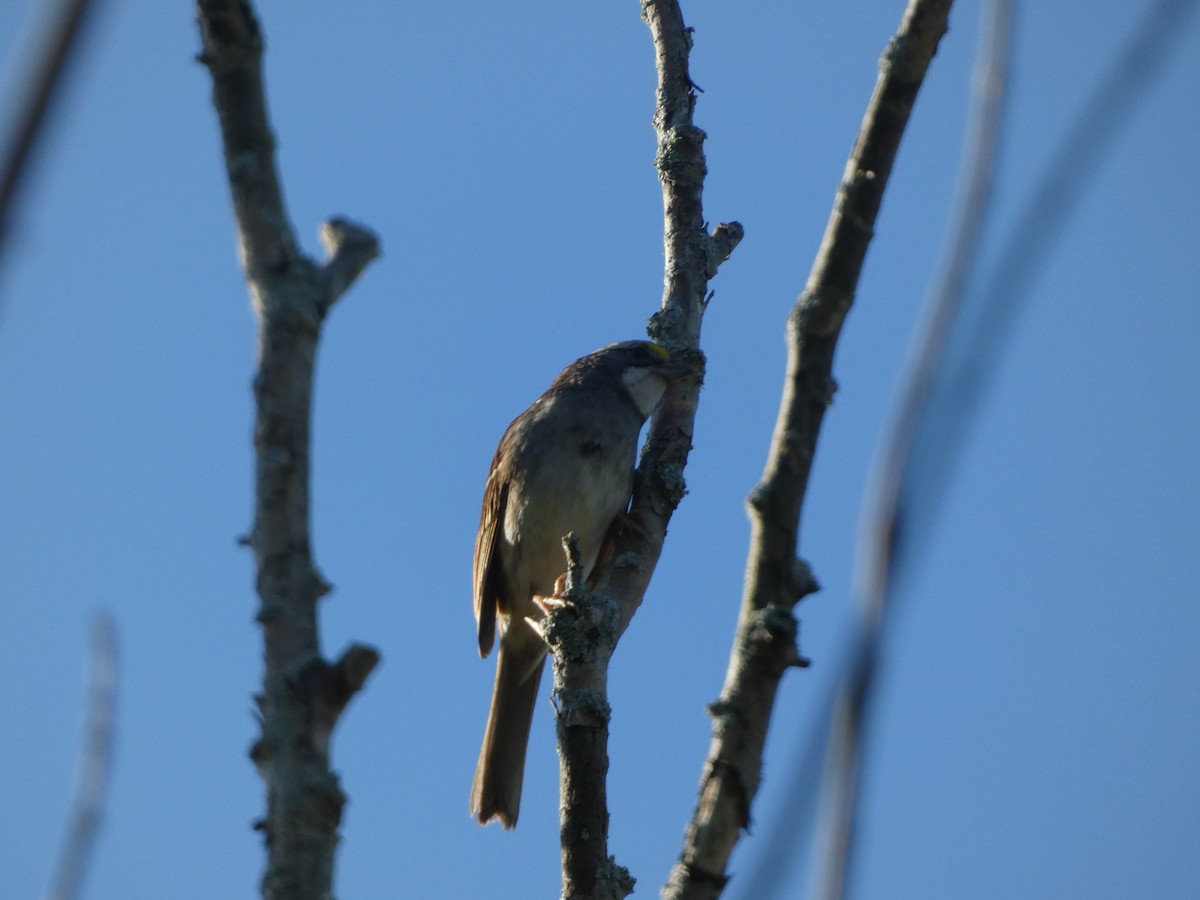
point(45, 77)
point(303, 694)
point(776, 580)
point(96, 762)
point(883, 524)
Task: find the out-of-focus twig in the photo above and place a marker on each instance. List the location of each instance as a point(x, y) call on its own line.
point(953, 358)
point(95, 762)
point(39, 90)
point(884, 528)
point(991, 309)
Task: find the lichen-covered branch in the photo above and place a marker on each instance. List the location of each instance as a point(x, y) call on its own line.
point(303, 694)
point(692, 257)
point(776, 579)
point(580, 630)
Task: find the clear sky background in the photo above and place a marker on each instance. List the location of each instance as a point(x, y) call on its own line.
point(1038, 732)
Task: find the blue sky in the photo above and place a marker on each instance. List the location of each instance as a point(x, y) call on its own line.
point(1037, 734)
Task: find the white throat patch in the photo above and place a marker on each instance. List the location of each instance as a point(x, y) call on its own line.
point(645, 387)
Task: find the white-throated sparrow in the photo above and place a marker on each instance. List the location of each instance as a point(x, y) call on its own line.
point(565, 464)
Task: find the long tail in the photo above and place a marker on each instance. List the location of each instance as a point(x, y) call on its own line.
point(496, 793)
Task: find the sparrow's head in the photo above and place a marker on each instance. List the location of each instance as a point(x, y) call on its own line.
point(644, 369)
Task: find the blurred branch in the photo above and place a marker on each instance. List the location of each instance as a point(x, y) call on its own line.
point(95, 762)
point(692, 257)
point(303, 695)
point(776, 579)
point(987, 316)
point(954, 354)
point(40, 90)
point(884, 529)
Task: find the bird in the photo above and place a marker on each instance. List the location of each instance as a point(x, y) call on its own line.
point(564, 465)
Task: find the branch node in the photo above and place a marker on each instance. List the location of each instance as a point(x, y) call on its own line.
point(768, 638)
point(627, 560)
point(759, 498)
point(680, 160)
point(665, 324)
point(613, 881)
point(350, 247)
point(803, 580)
point(582, 627)
point(321, 587)
point(721, 244)
point(353, 668)
point(671, 483)
point(724, 709)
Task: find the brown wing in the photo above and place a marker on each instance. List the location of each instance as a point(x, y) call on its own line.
point(489, 580)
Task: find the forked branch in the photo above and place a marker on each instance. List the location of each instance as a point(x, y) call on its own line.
point(303, 695)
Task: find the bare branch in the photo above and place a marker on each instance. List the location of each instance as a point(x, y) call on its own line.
point(95, 762)
point(765, 647)
point(233, 49)
point(619, 582)
point(691, 257)
point(303, 695)
point(351, 248)
point(580, 629)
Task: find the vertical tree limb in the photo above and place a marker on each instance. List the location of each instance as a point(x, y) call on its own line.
point(303, 694)
point(776, 579)
point(692, 257)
